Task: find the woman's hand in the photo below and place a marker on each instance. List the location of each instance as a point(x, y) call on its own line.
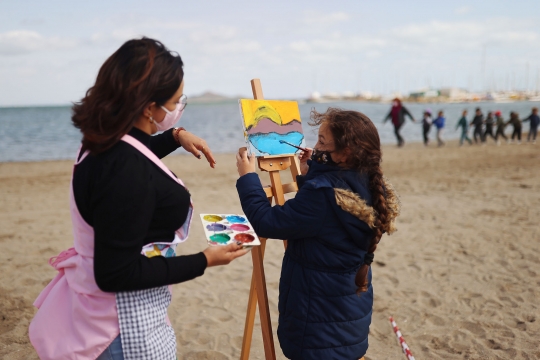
point(304, 156)
point(195, 145)
point(244, 163)
point(222, 255)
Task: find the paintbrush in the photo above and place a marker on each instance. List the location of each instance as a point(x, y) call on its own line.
point(298, 147)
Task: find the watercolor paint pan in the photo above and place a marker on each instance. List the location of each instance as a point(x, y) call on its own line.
point(224, 229)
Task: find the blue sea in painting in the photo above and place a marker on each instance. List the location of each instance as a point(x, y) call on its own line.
point(268, 144)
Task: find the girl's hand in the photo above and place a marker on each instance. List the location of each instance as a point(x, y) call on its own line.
point(304, 156)
point(196, 145)
point(223, 255)
point(244, 163)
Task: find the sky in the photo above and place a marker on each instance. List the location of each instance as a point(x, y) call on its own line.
point(51, 51)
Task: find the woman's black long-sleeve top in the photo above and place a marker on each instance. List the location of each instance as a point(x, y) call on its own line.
point(130, 202)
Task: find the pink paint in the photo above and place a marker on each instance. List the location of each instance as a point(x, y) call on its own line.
point(239, 227)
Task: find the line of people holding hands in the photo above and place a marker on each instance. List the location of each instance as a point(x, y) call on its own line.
point(493, 125)
point(484, 127)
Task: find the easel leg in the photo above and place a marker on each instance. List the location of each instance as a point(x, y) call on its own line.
point(250, 320)
point(252, 306)
point(264, 310)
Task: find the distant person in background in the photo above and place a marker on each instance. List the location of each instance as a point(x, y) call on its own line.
point(397, 114)
point(464, 125)
point(500, 127)
point(426, 125)
point(535, 121)
point(490, 121)
point(439, 124)
point(478, 121)
point(516, 123)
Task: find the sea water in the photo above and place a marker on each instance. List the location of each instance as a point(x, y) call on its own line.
point(46, 133)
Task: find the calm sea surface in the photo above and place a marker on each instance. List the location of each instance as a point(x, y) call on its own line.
point(46, 133)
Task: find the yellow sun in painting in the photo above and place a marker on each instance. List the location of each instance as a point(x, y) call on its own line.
point(280, 112)
point(265, 111)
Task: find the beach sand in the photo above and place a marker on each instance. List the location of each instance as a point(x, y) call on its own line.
point(461, 276)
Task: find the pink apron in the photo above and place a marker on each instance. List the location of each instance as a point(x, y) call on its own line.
point(76, 320)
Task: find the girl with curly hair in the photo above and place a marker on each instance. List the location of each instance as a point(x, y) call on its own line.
point(343, 207)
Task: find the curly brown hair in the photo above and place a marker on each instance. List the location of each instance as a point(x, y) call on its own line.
point(140, 72)
point(355, 131)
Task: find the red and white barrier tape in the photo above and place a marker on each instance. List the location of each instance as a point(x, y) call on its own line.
point(401, 340)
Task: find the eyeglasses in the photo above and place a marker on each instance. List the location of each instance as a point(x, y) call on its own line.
point(183, 102)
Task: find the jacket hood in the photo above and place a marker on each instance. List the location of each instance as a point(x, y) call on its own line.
point(351, 199)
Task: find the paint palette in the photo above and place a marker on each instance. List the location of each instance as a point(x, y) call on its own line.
point(225, 229)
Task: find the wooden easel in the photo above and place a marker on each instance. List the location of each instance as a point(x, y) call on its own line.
point(257, 293)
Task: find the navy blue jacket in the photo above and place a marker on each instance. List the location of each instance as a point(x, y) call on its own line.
point(534, 119)
point(320, 315)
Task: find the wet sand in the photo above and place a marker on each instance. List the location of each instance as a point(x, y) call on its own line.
point(461, 276)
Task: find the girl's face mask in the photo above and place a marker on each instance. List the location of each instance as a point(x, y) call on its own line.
point(323, 157)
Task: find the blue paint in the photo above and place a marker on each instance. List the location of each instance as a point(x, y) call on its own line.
point(269, 144)
point(235, 219)
point(216, 227)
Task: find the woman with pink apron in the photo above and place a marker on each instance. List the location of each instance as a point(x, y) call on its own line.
point(110, 297)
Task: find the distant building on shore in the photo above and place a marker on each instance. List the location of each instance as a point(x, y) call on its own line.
point(441, 95)
point(317, 97)
point(461, 95)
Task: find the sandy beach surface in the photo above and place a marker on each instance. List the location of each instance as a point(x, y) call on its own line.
point(461, 276)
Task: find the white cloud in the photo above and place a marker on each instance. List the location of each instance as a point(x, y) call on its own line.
point(220, 48)
point(300, 46)
point(115, 36)
point(464, 34)
point(462, 10)
point(320, 18)
point(177, 25)
point(221, 33)
point(373, 54)
point(23, 41)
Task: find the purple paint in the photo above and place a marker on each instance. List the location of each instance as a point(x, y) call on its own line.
point(216, 227)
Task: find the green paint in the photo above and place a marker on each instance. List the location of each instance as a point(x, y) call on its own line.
point(220, 238)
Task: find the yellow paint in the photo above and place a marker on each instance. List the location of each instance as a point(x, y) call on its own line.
point(212, 218)
point(280, 112)
point(155, 252)
point(266, 111)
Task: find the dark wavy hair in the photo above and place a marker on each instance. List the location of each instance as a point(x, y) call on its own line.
point(140, 72)
point(354, 130)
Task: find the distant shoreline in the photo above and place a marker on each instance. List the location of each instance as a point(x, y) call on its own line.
point(300, 101)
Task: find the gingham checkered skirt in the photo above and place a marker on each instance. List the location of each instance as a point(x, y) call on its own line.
point(142, 314)
point(143, 326)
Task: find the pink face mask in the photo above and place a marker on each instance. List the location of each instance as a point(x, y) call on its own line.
point(171, 117)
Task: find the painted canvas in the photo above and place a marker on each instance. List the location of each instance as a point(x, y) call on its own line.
point(266, 122)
